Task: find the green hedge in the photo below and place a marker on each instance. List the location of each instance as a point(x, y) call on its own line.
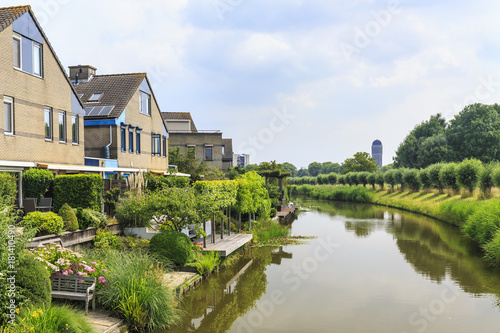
point(173, 246)
point(36, 182)
point(156, 183)
point(8, 188)
point(78, 191)
point(47, 223)
point(69, 217)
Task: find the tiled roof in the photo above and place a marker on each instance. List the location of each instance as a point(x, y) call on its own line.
point(10, 14)
point(116, 90)
point(179, 116)
point(228, 149)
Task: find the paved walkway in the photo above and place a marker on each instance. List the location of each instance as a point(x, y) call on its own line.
point(103, 322)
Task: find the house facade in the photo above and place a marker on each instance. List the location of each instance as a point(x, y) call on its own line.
point(123, 123)
point(43, 117)
point(209, 146)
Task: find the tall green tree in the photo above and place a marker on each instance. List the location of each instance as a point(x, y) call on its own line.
point(315, 168)
point(329, 167)
point(410, 150)
point(187, 163)
point(475, 133)
point(290, 167)
point(362, 161)
point(303, 173)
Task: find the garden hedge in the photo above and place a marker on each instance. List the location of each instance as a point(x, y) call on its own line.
point(173, 246)
point(36, 182)
point(78, 191)
point(8, 187)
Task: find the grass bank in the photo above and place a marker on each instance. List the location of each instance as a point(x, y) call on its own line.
point(478, 218)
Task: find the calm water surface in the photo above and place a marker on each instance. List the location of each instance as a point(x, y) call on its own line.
point(371, 269)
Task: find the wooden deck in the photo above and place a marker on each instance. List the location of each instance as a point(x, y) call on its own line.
point(229, 244)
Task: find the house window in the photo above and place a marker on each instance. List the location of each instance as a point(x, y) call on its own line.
point(32, 53)
point(17, 51)
point(48, 123)
point(62, 126)
point(8, 114)
point(145, 100)
point(130, 140)
point(74, 128)
point(164, 146)
point(191, 148)
point(208, 153)
point(37, 59)
point(138, 141)
point(223, 150)
point(124, 138)
point(156, 144)
point(95, 97)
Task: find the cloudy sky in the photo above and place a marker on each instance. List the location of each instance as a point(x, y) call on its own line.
point(292, 80)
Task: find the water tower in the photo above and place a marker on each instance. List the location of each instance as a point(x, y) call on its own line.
point(377, 152)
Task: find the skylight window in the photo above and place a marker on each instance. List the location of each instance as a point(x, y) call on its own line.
point(95, 97)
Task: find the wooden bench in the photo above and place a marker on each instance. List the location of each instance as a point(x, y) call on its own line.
point(74, 287)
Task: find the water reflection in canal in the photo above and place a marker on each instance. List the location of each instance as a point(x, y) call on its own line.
point(371, 269)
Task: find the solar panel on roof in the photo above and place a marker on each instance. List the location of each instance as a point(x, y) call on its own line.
point(99, 110)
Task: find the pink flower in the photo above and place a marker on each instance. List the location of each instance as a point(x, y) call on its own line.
point(65, 273)
point(104, 271)
point(70, 271)
point(94, 263)
point(79, 273)
point(102, 280)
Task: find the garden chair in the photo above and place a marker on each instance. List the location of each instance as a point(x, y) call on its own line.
point(29, 205)
point(45, 204)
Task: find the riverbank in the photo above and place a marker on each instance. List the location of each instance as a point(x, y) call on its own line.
point(477, 218)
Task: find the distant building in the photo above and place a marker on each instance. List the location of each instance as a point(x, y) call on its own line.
point(209, 146)
point(241, 160)
point(377, 152)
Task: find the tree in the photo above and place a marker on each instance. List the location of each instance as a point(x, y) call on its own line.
point(290, 167)
point(314, 169)
point(468, 172)
point(448, 177)
point(361, 161)
point(475, 133)
point(412, 180)
point(410, 150)
point(329, 167)
point(303, 173)
point(187, 163)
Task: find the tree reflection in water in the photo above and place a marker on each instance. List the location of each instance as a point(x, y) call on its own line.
point(216, 304)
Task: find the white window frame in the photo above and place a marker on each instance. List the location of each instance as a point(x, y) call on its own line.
point(74, 129)
point(40, 60)
point(51, 121)
point(9, 100)
point(141, 96)
point(62, 138)
point(19, 38)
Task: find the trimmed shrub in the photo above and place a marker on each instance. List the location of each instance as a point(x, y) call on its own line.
point(425, 179)
point(8, 188)
point(434, 171)
point(172, 245)
point(389, 177)
point(371, 179)
point(448, 177)
point(362, 178)
point(379, 179)
point(69, 217)
point(342, 180)
point(412, 180)
point(482, 225)
point(78, 191)
point(36, 182)
point(34, 279)
point(398, 177)
point(157, 183)
point(88, 218)
point(468, 172)
point(47, 223)
point(486, 178)
point(104, 239)
point(322, 179)
point(332, 178)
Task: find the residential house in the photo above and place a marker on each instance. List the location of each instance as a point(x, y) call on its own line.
point(43, 117)
point(123, 123)
point(209, 146)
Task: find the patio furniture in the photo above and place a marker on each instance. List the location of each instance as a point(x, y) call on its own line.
point(45, 205)
point(29, 205)
point(74, 287)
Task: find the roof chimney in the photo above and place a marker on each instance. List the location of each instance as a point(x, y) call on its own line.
point(81, 73)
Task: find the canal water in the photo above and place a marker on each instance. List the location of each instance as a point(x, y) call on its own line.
point(370, 269)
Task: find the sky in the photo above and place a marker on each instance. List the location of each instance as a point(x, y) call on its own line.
point(291, 80)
